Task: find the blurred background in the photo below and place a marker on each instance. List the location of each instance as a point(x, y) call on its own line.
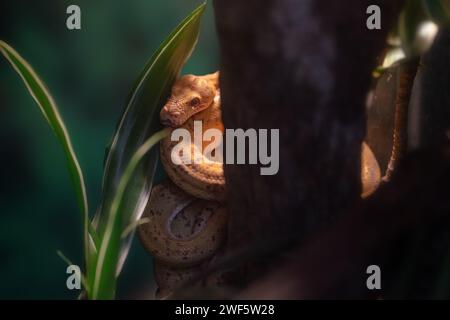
point(90, 73)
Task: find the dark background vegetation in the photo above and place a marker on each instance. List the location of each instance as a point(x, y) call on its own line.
point(90, 73)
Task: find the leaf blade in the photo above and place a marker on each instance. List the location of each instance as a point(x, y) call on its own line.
point(138, 122)
point(116, 209)
point(41, 95)
point(438, 10)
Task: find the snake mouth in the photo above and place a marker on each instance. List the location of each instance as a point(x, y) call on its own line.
point(177, 119)
point(173, 123)
point(166, 122)
point(170, 115)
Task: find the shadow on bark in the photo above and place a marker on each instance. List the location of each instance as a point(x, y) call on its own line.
point(305, 67)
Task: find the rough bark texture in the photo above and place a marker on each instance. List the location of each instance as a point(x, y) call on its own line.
point(404, 229)
point(302, 67)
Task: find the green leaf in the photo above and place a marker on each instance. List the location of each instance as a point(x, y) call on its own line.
point(138, 122)
point(438, 10)
point(69, 263)
point(47, 105)
point(109, 247)
point(410, 19)
point(128, 230)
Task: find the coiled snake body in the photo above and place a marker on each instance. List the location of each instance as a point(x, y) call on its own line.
point(186, 216)
point(186, 219)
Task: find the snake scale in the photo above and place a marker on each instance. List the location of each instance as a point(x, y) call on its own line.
point(186, 215)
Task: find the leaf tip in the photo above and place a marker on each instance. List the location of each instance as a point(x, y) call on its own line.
point(201, 8)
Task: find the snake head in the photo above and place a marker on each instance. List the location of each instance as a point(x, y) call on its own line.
point(190, 95)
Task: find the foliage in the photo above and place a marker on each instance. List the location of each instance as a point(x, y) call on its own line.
point(131, 159)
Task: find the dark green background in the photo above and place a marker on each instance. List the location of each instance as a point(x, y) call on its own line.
point(90, 73)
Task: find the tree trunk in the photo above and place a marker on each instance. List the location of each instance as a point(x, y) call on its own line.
point(303, 67)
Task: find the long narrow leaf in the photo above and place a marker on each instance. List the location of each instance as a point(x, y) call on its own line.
point(47, 105)
point(139, 121)
point(438, 10)
point(104, 283)
point(410, 19)
point(69, 263)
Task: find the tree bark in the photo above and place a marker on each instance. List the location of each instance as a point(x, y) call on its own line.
point(404, 229)
point(303, 67)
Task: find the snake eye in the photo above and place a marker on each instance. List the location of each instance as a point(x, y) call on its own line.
point(194, 102)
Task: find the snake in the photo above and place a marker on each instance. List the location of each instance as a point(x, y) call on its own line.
point(182, 231)
point(194, 98)
point(186, 215)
